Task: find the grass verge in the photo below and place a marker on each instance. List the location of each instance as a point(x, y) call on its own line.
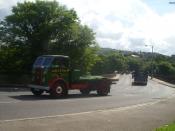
point(170, 127)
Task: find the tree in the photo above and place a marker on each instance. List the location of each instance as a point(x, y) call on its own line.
point(77, 44)
point(44, 27)
point(32, 25)
point(109, 63)
point(165, 68)
point(9, 62)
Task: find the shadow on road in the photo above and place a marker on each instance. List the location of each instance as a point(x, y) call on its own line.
point(48, 97)
point(138, 84)
point(14, 89)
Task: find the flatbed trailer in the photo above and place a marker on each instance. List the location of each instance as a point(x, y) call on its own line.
point(53, 74)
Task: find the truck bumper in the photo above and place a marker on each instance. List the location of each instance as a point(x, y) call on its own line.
point(46, 88)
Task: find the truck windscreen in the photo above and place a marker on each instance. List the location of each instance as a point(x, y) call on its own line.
point(43, 61)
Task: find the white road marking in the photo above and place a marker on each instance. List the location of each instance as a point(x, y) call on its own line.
point(88, 112)
point(7, 102)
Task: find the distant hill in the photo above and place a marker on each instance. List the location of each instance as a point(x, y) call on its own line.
point(106, 51)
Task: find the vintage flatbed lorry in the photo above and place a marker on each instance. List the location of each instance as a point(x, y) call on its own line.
point(53, 74)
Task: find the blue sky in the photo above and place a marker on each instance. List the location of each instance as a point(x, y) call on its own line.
point(123, 24)
point(160, 6)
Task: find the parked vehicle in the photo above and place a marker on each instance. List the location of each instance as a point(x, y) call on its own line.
point(53, 74)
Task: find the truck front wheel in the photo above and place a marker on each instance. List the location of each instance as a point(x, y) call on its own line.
point(36, 92)
point(58, 90)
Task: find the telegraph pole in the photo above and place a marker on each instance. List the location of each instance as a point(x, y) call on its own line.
point(152, 57)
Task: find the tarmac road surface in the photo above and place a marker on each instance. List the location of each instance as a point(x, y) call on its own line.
point(21, 106)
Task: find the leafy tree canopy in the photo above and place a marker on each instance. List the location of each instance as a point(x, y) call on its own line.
point(44, 27)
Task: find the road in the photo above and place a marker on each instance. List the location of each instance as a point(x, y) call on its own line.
point(22, 105)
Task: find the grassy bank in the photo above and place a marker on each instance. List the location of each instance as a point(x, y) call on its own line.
point(170, 127)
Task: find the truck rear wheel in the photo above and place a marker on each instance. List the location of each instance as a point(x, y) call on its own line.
point(103, 91)
point(36, 92)
point(85, 91)
point(58, 90)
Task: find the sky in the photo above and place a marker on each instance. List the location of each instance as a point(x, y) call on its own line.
point(123, 24)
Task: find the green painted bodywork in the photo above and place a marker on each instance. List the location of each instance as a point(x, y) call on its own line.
point(90, 78)
point(52, 71)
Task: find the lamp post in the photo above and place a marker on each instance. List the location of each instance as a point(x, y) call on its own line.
point(152, 50)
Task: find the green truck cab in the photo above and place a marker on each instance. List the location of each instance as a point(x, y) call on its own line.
point(53, 74)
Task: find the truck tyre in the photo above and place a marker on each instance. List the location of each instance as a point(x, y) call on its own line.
point(36, 92)
point(58, 90)
point(85, 91)
point(103, 91)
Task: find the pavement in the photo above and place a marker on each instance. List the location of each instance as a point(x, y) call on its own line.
point(127, 108)
point(164, 83)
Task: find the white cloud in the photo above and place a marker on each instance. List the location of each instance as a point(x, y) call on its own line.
point(124, 24)
point(137, 23)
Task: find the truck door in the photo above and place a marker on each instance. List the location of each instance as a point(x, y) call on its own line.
point(60, 68)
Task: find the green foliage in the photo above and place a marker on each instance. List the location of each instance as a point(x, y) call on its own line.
point(134, 63)
point(89, 59)
point(36, 23)
point(8, 64)
point(110, 63)
point(78, 46)
point(165, 68)
point(43, 27)
point(170, 127)
point(46, 27)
